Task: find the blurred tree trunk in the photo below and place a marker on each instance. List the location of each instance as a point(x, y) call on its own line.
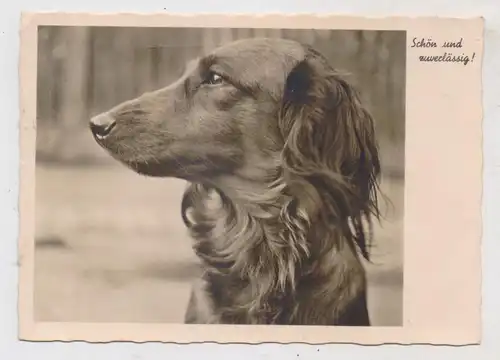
point(226, 36)
point(141, 76)
point(242, 33)
point(73, 87)
point(74, 77)
point(209, 39)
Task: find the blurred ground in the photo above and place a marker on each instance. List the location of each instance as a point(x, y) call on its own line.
point(111, 247)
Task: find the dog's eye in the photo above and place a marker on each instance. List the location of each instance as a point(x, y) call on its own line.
point(213, 79)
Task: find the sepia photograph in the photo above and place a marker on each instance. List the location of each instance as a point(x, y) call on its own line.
point(220, 175)
point(249, 179)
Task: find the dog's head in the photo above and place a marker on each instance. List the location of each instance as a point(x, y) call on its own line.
point(255, 109)
point(219, 117)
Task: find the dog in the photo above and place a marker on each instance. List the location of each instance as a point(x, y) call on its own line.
point(282, 165)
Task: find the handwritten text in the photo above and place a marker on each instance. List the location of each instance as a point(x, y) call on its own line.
point(447, 56)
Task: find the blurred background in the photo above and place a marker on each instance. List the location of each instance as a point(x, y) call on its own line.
point(110, 244)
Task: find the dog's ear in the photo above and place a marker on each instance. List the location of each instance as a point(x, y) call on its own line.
point(330, 157)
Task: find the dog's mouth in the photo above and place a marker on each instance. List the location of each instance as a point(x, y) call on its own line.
point(168, 160)
point(130, 155)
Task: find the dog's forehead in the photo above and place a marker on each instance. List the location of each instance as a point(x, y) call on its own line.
point(260, 60)
point(262, 51)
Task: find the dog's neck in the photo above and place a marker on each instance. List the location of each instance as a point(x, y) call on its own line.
point(262, 200)
point(263, 245)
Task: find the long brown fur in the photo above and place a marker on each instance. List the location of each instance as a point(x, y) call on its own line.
point(282, 163)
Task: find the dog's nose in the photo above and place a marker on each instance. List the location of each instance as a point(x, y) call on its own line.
point(101, 125)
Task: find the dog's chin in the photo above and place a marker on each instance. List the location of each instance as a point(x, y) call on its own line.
point(176, 168)
point(156, 169)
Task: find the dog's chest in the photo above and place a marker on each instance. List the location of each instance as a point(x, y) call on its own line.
point(236, 301)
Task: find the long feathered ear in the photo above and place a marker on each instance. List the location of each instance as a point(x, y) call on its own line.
point(330, 158)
